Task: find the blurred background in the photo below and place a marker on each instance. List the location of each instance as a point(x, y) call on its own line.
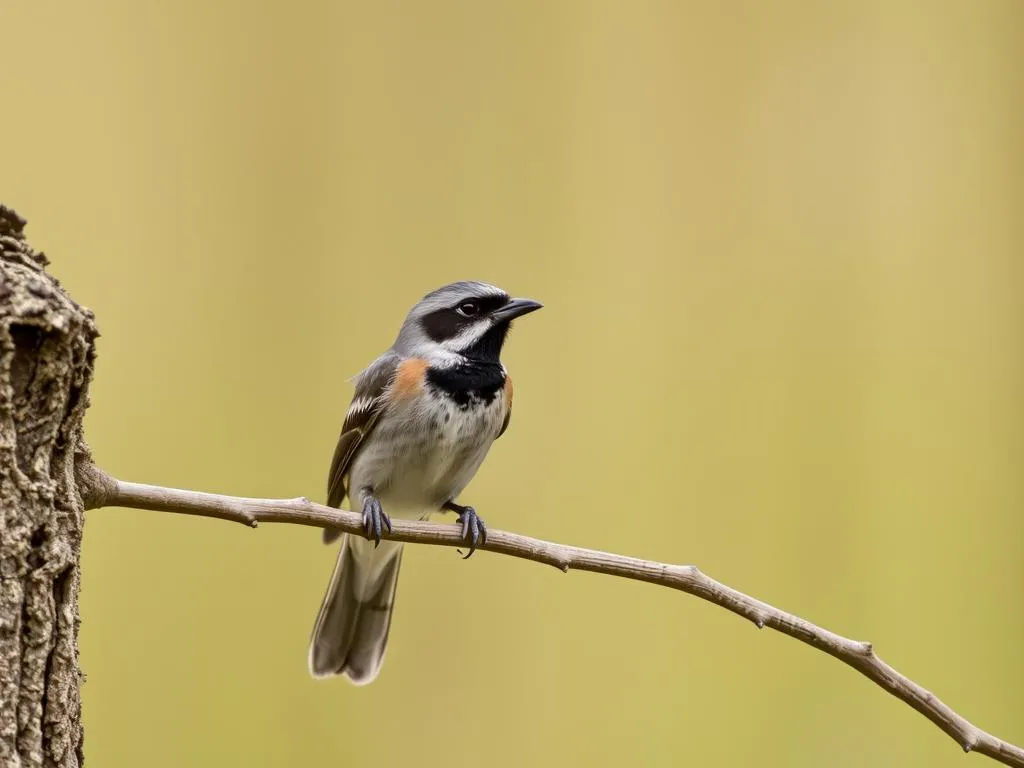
point(781, 248)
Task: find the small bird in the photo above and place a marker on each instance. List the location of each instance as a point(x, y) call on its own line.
point(422, 418)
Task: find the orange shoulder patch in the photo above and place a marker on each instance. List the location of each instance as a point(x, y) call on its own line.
point(409, 377)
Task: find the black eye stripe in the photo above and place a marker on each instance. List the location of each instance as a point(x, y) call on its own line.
point(447, 322)
point(442, 324)
point(489, 303)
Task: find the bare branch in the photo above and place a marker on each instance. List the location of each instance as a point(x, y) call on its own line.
point(99, 490)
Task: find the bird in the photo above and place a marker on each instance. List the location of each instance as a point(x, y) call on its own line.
point(421, 421)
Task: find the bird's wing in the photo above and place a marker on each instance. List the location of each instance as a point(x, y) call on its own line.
point(508, 405)
point(368, 402)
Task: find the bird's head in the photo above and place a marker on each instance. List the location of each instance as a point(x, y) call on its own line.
point(465, 320)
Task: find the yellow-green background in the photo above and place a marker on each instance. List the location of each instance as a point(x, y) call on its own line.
point(781, 247)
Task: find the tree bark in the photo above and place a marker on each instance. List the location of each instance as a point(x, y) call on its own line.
point(47, 348)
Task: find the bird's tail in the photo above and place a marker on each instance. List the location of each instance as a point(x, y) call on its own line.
point(351, 631)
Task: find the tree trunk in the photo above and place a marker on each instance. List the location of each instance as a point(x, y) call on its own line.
point(46, 360)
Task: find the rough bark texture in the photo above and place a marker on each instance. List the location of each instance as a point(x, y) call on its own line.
point(46, 361)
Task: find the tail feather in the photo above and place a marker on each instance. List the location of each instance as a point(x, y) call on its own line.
point(351, 632)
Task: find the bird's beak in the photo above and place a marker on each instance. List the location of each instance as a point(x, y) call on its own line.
point(515, 308)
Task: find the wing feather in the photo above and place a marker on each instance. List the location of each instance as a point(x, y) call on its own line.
point(508, 405)
point(368, 402)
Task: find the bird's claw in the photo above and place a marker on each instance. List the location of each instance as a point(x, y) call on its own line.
point(473, 529)
point(375, 519)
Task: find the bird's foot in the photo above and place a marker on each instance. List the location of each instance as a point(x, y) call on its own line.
point(375, 519)
point(473, 529)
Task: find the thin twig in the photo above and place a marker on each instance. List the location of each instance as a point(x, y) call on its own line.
point(99, 490)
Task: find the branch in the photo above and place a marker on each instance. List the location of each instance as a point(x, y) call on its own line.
point(100, 490)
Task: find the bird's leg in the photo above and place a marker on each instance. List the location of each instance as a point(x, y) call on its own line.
point(375, 519)
point(473, 529)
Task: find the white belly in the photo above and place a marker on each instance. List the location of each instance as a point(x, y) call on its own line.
point(423, 452)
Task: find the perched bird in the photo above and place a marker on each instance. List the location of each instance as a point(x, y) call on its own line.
point(422, 418)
